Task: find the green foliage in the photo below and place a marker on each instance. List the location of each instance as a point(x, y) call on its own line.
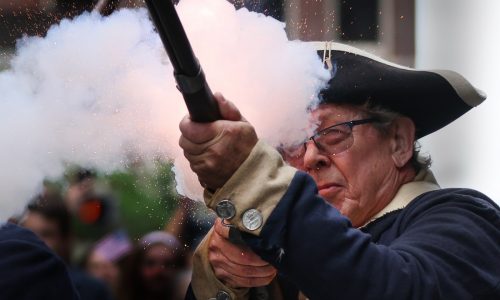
point(147, 198)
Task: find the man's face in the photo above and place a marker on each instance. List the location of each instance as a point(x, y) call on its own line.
point(359, 181)
point(101, 267)
point(46, 229)
point(158, 268)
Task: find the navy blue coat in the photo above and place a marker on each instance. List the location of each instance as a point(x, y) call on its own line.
point(29, 269)
point(444, 245)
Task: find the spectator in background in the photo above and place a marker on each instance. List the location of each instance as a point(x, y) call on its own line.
point(155, 270)
point(81, 184)
point(49, 219)
point(104, 258)
point(29, 269)
point(90, 203)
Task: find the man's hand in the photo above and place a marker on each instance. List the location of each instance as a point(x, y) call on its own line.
point(216, 150)
point(236, 266)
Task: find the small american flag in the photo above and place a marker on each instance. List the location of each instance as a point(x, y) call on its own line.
point(114, 245)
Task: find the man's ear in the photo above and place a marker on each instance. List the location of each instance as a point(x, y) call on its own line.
point(403, 138)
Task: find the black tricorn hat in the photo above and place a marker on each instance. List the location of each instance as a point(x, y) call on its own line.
point(432, 99)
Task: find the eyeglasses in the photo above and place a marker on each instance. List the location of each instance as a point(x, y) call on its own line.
point(330, 141)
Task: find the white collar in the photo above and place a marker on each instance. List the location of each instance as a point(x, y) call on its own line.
point(423, 182)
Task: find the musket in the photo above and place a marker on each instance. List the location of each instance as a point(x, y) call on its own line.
point(188, 73)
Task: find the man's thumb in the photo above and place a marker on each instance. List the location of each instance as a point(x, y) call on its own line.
point(227, 108)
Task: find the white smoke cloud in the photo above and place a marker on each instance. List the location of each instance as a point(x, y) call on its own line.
point(98, 91)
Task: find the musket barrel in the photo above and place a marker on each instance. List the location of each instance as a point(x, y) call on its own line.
point(188, 73)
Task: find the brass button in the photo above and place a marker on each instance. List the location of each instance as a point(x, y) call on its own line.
point(252, 219)
point(225, 209)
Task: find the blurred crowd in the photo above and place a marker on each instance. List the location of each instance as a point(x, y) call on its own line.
point(110, 264)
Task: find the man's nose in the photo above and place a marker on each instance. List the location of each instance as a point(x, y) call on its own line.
point(314, 159)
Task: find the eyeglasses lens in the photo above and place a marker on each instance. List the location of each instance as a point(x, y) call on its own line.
point(334, 140)
point(330, 141)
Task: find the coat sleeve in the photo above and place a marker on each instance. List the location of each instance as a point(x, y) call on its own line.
point(204, 284)
point(448, 252)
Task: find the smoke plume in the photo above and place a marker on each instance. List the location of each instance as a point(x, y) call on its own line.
point(99, 92)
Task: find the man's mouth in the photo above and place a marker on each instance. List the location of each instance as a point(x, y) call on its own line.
point(329, 189)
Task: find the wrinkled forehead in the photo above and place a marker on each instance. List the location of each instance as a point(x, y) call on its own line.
point(329, 114)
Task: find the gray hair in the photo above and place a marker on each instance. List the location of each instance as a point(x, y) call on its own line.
point(385, 118)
